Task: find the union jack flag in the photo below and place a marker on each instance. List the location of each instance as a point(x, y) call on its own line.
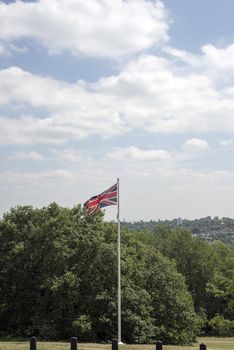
point(106, 198)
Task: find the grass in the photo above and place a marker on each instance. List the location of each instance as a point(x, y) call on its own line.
point(212, 344)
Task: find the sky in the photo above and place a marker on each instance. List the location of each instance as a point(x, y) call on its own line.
point(140, 90)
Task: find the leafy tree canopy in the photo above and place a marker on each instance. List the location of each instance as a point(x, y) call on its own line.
point(58, 278)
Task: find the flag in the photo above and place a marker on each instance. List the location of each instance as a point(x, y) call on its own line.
point(106, 198)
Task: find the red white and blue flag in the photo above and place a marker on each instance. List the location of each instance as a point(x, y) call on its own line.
point(106, 198)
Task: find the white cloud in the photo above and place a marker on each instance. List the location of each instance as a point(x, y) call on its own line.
point(164, 97)
point(226, 142)
point(196, 145)
point(7, 49)
point(187, 57)
point(92, 27)
point(71, 112)
point(138, 154)
point(219, 59)
point(151, 93)
point(74, 156)
point(215, 62)
point(28, 155)
point(24, 178)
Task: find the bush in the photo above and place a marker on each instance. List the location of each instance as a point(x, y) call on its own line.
point(222, 326)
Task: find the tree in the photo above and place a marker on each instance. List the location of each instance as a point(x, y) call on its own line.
point(192, 256)
point(221, 285)
point(59, 278)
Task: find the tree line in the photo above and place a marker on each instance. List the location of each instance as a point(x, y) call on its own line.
point(58, 278)
point(209, 228)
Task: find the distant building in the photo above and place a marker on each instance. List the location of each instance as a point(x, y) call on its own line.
point(179, 222)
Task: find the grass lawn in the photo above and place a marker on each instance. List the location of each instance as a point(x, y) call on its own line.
point(212, 344)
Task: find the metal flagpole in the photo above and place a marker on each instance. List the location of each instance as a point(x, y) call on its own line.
point(119, 272)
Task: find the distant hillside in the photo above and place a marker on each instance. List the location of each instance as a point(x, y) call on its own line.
point(207, 228)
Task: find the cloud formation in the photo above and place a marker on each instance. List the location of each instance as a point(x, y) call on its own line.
point(151, 93)
point(28, 155)
point(149, 123)
point(98, 28)
point(196, 145)
point(226, 143)
point(138, 154)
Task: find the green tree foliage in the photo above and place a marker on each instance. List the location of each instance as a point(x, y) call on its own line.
point(221, 326)
point(208, 268)
point(221, 286)
point(193, 260)
point(58, 278)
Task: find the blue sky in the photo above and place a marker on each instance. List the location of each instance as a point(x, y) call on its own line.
point(136, 89)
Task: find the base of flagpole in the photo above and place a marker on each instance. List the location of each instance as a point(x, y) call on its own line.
point(120, 343)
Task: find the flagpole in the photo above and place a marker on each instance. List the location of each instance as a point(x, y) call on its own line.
point(119, 272)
